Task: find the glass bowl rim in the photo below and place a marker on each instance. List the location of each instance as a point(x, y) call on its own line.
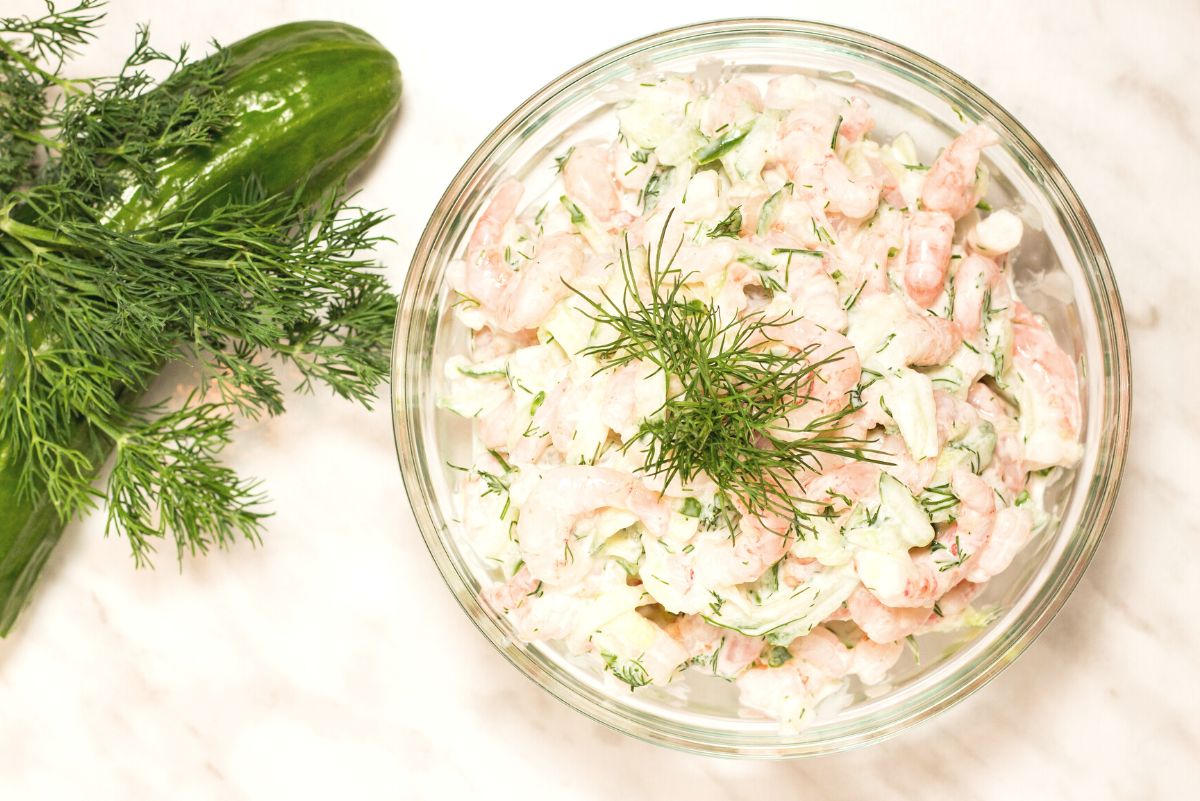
point(1116, 382)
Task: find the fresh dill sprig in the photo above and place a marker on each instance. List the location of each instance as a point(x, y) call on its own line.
point(90, 311)
point(31, 53)
point(730, 389)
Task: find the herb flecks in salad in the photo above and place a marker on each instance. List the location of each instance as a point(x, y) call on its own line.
point(764, 399)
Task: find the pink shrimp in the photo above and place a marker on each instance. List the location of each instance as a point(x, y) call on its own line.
point(732, 103)
point(911, 473)
point(489, 343)
point(822, 650)
point(515, 300)
point(494, 426)
point(840, 488)
point(538, 437)
point(565, 496)
point(930, 235)
point(732, 651)
point(509, 595)
point(828, 391)
point(929, 340)
point(950, 182)
point(543, 281)
point(871, 661)
point(889, 186)
point(931, 571)
point(761, 541)
point(856, 197)
point(857, 121)
point(588, 179)
point(1010, 533)
point(976, 276)
point(1007, 468)
point(486, 276)
point(814, 294)
point(954, 602)
point(813, 120)
point(876, 248)
point(1049, 371)
point(953, 416)
point(884, 624)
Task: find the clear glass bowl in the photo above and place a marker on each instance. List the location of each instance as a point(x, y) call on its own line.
point(1062, 272)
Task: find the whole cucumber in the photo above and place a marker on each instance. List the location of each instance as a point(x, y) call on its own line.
point(313, 101)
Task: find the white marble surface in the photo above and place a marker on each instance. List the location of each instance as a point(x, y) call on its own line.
point(333, 663)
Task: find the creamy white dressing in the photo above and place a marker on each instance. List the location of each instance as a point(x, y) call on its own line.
point(763, 198)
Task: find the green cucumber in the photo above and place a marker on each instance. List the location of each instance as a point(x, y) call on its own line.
point(314, 99)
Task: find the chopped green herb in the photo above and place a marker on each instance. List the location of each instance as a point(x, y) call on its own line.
point(776, 655)
point(730, 226)
point(798, 251)
point(576, 214)
point(560, 162)
point(728, 419)
point(721, 145)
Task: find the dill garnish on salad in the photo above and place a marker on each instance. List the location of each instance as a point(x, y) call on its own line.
point(753, 395)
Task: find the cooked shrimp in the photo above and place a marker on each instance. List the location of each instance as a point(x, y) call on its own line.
point(1009, 534)
point(956, 601)
point(732, 104)
point(495, 426)
point(1051, 376)
point(911, 473)
point(922, 395)
point(814, 294)
point(928, 340)
point(857, 121)
point(876, 247)
point(871, 660)
point(840, 488)
point(588, 179)
point(926, 575)
point(854, 196)
point(514, 300)
point(561, 500)
point(546, 618)
point(486, 276)
point(1007, 468)
point(930, 234)
point(544, 281)
point(762, 540)
point(726, 652)
point(884, 624)
point(489, 343)
point(977, 275)
point(950, 182)
point(954, 417)
point(818, 667)
point(838, 372)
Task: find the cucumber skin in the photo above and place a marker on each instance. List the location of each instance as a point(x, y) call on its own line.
point(315, 99)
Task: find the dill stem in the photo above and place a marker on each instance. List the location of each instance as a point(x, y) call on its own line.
point(31, 233)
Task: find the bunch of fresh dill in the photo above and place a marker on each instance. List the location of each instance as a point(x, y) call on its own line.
point(91, 311)
point(730, 389)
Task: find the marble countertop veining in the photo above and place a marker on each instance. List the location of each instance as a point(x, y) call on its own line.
point(333, 663)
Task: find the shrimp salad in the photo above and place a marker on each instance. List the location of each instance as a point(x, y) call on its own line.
point(753, 394)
